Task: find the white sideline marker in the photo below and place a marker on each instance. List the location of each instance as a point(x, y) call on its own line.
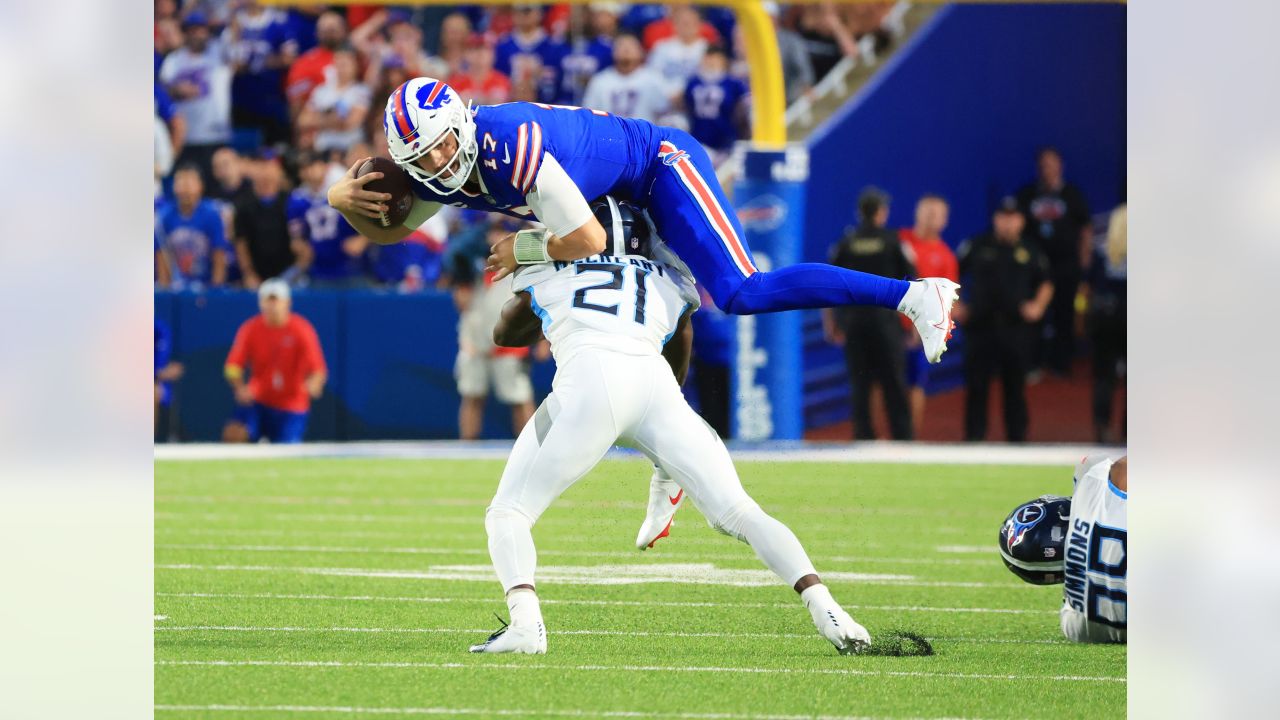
point(633, 668)
point(619, 603)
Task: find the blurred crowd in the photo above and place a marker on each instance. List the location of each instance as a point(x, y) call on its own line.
point(258, 109)
point(1035, 282)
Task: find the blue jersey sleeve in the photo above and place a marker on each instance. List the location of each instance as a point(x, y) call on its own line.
point(212, 226)
point(297, 215)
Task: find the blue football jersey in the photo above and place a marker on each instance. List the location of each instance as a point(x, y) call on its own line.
point(259, 88)
point(191, 241)
point(541, 58)
point(712, 106)
point(311, 216)
point(603, 154)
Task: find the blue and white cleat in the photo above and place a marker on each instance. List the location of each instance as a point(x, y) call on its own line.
point(530, 640)
point(665, 497)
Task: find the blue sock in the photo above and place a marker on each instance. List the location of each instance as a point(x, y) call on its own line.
point(812, 285)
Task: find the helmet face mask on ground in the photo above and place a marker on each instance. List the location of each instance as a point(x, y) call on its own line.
point(420, 116)
point(1032, 539)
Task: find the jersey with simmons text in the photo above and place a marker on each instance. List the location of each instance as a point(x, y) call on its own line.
point(1095, 601)
point(626, 304)
point(604, 154)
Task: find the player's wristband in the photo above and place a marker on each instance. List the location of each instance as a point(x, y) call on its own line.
point(531, 247)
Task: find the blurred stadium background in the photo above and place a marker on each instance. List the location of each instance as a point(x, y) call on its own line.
point(890, 95)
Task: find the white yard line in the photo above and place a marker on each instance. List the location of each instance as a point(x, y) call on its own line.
point(558, 631)
point(600, 575)
point(605, 603)
point(503, 712)
point(631, 668)
point(862, 452)
point(376, 550)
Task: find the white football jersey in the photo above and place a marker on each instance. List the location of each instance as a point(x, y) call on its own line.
point(627, 304)
point(1095, 597)
point(640, 94)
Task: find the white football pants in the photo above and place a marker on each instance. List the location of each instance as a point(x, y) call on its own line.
point(600, 398)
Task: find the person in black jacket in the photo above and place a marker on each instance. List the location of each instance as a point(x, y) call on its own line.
point(872, 336)
point(1008, 287)
point(263, 246)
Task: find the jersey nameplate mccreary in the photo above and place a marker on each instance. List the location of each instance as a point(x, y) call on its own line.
point(1095, 595)
point(625, 303)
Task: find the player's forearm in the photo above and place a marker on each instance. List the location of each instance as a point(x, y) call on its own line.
point(584, 242)
point(518, 325)
point(679, 349)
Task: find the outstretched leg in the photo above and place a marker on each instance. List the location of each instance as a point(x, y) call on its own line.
point(674, 437)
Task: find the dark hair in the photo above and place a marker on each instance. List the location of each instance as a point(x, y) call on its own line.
point(717, 49)
point(188, 167)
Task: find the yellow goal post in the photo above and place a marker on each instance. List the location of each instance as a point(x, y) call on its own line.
point(768, 128)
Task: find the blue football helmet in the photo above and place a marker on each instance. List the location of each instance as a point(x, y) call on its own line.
point(1032, 539)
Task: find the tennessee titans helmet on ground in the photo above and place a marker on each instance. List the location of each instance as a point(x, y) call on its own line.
point(1032, 538)
point(626, 227)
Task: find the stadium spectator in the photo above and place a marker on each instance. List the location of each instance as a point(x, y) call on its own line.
point(715, 103)
point(263, 245)
point(337, 249)
point(678, 57)
point(480, 363)
point(871, 336)
point(168, 37)
point(281, 353)
point(260, 47)
point(529, 56)
point(664, 27)
point(308, 72)
point(713, 342)
point(175, 125)
point(1006, 290)
point(198, 78)
point(455, 33)
point(797, 69)
point(388, 38)
point(479, 81)
point(1107, 287)
point(167, 372)
point(931, 258)
point(1058, 218)
point(629, 88)
point(825, 37)
point(191, 249)
point(591, 31)
point(333, 118)
point(417, 262)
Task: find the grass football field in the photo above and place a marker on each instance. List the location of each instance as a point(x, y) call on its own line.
point(352, 588)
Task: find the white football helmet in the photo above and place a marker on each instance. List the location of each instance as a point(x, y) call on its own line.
point(419, 114)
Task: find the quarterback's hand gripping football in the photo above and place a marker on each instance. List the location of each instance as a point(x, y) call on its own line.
point(349, 197)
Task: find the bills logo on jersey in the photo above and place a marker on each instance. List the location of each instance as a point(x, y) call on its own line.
point(1022, 521)
point(671, 158)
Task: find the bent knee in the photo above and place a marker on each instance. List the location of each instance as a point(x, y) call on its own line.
point(730, 298)
point(504, 511)
point(732, 521)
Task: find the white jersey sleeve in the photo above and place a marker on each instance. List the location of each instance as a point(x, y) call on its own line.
point(626, 304)
point(556, 200)
point(1095, 594)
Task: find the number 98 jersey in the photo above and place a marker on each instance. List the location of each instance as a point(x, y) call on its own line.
point(622, 303)
point(1095, 595)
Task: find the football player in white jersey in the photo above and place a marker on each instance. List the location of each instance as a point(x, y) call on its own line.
point(618, 327)
point(1081, 542)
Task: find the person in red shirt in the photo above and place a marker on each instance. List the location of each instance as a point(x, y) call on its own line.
point(308, 72)
point(660, 30)
point(932, 258)
point(479, 82)
point(281, 351)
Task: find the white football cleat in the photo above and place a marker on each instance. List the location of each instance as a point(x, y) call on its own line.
point(837, 626)
point(928, 303)
point(665, 497)
point(528, 640)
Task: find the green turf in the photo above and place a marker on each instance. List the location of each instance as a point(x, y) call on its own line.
point(319, 571)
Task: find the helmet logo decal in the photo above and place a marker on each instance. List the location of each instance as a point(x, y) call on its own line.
point(431, 96)
point(1026, 518)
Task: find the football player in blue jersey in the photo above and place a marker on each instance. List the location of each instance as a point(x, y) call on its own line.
point(547, 162)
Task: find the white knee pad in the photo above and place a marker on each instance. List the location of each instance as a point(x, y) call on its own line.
point(734, 521)
point(499, 513)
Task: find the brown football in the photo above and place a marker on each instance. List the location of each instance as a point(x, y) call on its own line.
point(396, 183)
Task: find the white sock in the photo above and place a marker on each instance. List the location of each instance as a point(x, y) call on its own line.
point(524, 607)
point(914, 291)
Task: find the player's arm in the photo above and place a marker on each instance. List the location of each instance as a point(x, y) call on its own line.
point(572, 231)
point(518, 325)
point(679, 347)
point(361, 207)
